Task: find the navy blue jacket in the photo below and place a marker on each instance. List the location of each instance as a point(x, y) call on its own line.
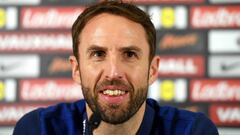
point(71, 119)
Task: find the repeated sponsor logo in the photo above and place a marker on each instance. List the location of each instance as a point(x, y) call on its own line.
point(8, 18)
point(215, 17)
point(168, 17)
point(181, 66)
point(193, 108)
point(19, 66)
point(49, 17)
point(225, 115)
point(20, 2)
point(11, 113)
point(207, 90)
point(164, 1)
point(55, 65)
point(8, 90)
point(228, 131)
point(6, 130)
point(231, 38)
point(168, 90)
point(32, 41)
point(181, 42)
point(67, 2)
point(224, 1)
point(143, 8)
point(49, 90)
point(224, 66)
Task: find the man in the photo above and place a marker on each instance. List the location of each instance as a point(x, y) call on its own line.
point(114, 61)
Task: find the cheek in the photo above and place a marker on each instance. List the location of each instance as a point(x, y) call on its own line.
point(89, 75)
point(139, 75)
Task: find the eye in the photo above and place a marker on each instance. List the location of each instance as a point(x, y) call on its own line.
point(130, 54)
point(97, 54)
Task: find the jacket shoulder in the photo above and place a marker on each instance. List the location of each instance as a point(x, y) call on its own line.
point(29, 124)
point(40, 120)
point(172, 120)
point(63, 110)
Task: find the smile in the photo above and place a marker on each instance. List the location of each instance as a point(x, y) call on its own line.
point(114, 92)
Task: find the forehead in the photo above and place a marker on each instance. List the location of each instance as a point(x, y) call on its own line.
point(112, 28)
point(104, 19)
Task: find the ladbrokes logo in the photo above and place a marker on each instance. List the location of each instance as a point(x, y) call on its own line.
point(187, 65)
point(49, 90)
point(215, 17)
point(21, 41)
point(225, 115)
point(169, 90)
point(46, 17)
point(168, 17)
point(215, 90)
point(8, 18)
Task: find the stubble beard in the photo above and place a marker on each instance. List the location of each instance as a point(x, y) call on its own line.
point(114, 113)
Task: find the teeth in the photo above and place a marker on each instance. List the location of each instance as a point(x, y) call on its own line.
point(113, 92)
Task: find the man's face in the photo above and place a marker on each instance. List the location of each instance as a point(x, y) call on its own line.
point(114, 68)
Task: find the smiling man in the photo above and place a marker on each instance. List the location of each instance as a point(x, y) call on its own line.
point(114, 61)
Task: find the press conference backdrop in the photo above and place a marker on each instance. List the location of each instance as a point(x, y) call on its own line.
point(198, 42)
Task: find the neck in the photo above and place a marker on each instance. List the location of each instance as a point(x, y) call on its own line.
point(129, 127)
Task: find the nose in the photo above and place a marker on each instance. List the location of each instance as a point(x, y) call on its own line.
point(113, 69)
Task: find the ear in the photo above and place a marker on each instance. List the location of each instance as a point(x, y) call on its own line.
point(75, 69)
point(153, 71)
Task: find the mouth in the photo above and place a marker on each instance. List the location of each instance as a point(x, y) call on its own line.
point(113, 92)
point(113, 96)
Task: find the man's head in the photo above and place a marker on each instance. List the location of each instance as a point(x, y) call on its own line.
point(114, 45)
point(126, 10)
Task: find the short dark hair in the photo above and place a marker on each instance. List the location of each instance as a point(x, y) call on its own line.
point(119, 8)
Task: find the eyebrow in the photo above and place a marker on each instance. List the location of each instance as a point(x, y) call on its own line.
point(96, 47)
point(131, 48)
point(122, 49)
